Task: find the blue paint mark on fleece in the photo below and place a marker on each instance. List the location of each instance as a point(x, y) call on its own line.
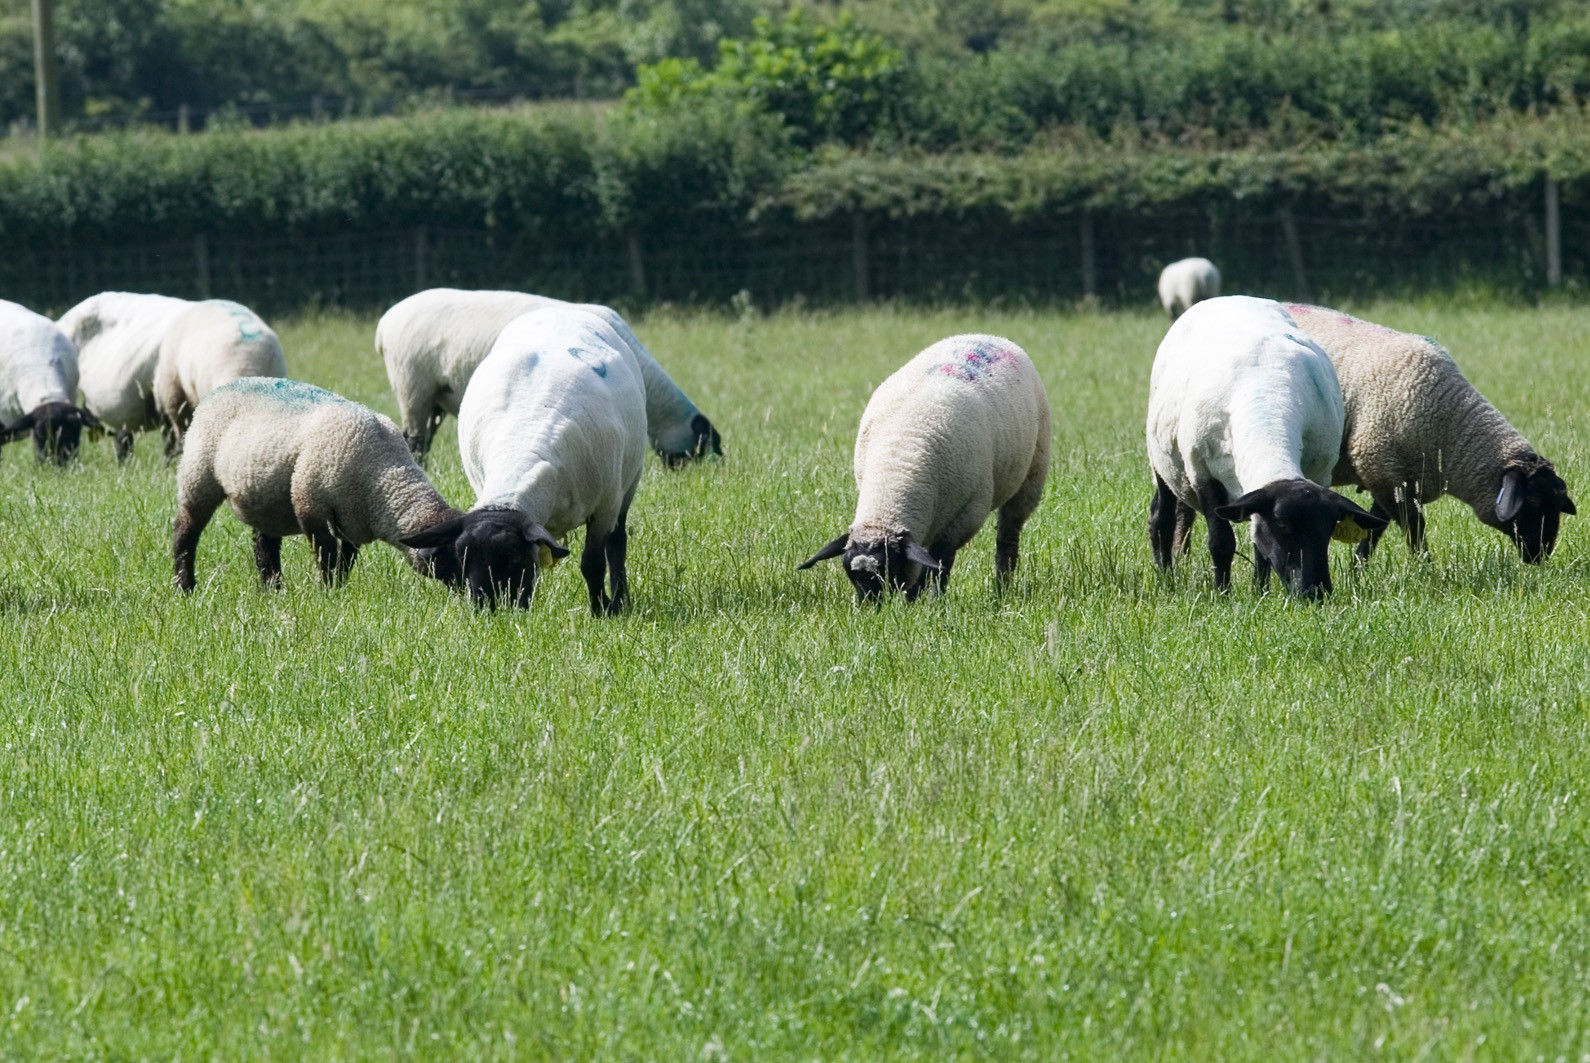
point(248, 325)
point(591, 361)
point(294, 393)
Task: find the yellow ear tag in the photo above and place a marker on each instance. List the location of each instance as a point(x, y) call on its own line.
point(546, 559)
point(1348, 531)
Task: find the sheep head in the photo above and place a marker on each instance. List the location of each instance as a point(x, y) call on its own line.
point(1293, 524)
point(1530, 506)
point(493, 553)
point(56, 428)
point(895, 563)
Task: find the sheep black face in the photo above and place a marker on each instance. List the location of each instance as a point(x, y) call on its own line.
point(1293, 524)
point(493, 553)
point(1530, 507)
point(704, 440)
point(56, 428)
point(901, 565)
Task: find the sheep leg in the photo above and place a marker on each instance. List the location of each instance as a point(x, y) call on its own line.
point(123, 440)
point(593, 566)
point(336, 557)
point(1367, 544)
point(944, 553)
point(192, 516)
point(1012, 518)
point(617, 551)
point(1410, 514)
point(268, 558)
point(1164, 520)
point(170, 438)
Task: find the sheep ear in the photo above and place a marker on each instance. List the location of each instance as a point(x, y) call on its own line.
point(1260, 501)
point(833, 548)
point(88, 420)
point(442, 534)
point(1355, 522)
point(541, 537)
point(18, 429)
point(1567, 506)
point(914, 552)
point(1510, 499)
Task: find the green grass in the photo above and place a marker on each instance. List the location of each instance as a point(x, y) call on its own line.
point(1106, 814)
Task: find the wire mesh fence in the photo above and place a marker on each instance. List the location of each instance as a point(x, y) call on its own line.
point(1061, 259)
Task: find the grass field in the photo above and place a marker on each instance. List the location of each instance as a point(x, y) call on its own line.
point(1107, 814)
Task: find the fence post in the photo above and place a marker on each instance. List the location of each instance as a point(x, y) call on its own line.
point(421, 249)
point(860, 265)
point(1553, 234)
point(184, 118)
point(1090, 259)
point(201, 264)
point(1294, 251)
point(637, 266)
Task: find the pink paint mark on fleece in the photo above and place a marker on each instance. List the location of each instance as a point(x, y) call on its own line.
point(974, 362)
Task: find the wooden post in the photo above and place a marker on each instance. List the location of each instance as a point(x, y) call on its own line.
point(1294, 252)
point(860, 264)
point(201, 265)
point(1090, 259)
point(637, 266)
point(184, 119)
point(1553, 234)
point(46, 74)
point(421, 250)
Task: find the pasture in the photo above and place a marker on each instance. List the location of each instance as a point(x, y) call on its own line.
point(1105, 814)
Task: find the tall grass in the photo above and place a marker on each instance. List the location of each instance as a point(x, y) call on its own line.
point(1107, 813)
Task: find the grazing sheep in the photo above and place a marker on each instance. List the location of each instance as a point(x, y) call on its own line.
point(294, 459)
point(433, 341)
point(1417, 429)
point(204, 346)
point(1245, 423)
point(960, 430)
point(1188, 281)
point(38, 383)
point(118, 343)
point(552, 430)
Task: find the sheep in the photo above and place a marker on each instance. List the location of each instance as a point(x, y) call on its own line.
point(1417, 429)
point(205, 345)
point(552, 430)
point(1245, 423)
point(1185, 282)
point(432, 342)
point(38, 383)
point(294, 459)
point(960, 430)
point(118, 342)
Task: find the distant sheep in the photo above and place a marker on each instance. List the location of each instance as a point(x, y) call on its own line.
point(552, 430)
point(1185, 282)
point(118, 343)
point(38, 385)
point(204, 346)
point(959, 431)
point(432, 342)
point(1245, 423)
point(1417, 429)
point(294, 459)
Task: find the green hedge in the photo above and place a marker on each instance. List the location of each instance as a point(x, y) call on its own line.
point(704, 190)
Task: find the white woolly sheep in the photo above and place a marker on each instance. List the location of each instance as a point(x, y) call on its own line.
point(1185, 282)
point(432, 342)
point(294, 459)
point(957, 432)
point(1417, 429)
point(38, 384)
point(204, 346)
point(118, 343)
point(552, 429)
point(1245, 423)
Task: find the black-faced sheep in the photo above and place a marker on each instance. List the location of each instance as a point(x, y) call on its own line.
point(1245, 423)
point(118, 343)
point(1417, 429)
point(38, 385)
point(959, 431)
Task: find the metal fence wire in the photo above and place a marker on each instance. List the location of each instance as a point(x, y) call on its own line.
point(1054, 260)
